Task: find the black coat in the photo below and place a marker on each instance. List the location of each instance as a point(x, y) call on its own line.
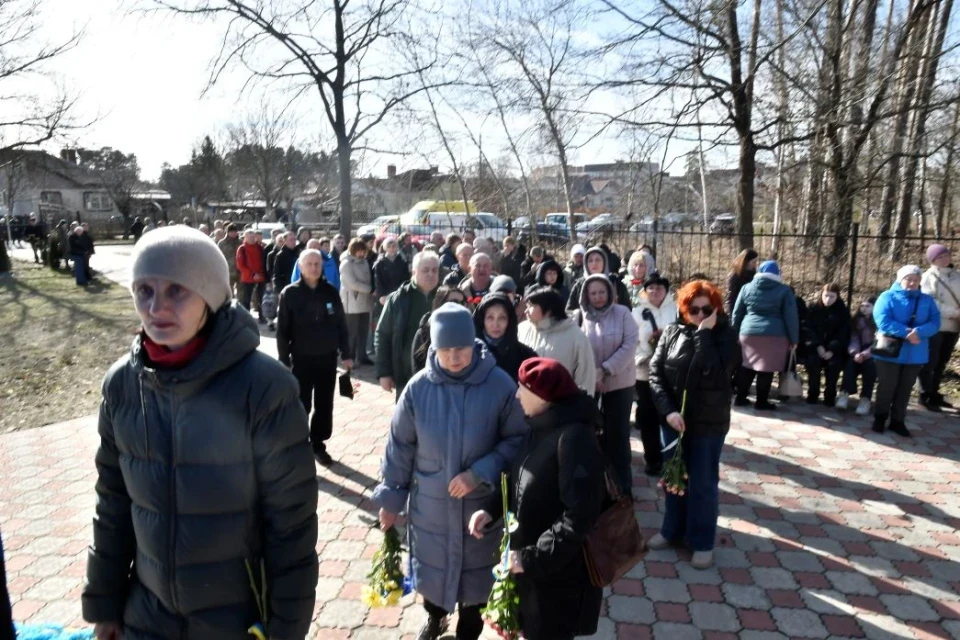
point(557, 492)
point(735, 282)
point(284, 261)
point(827, 327)
point(510, 265)
point(455, 277)
point(509, 352)
point(200, 469)
point(310, 322)
point(700, 362)
point(389, 274)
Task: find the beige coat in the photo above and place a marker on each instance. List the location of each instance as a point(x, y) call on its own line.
point(564, 341)
point(946, 293)
point(356, 285)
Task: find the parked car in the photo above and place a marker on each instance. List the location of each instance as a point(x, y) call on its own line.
point(678, 220)
point(486, 225)
point(376, 224)
point(603, 223)
point(547, 233)
point(561, 219)
point(724, 224)
point(642, 225)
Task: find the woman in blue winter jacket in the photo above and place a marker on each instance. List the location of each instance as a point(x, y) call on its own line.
point(456, 428)
point(903, 312)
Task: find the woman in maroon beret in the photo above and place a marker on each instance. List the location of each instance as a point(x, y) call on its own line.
point(556, 493)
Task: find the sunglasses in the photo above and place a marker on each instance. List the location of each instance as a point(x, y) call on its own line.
point(695, 310)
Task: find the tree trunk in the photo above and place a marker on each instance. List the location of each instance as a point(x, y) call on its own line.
point(942, 200)
point(346, 186)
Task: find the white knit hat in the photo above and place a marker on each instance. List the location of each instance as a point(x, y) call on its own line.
point(187, 257)
point(908, 270)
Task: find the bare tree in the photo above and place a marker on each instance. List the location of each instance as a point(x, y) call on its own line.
point(256, 158)
point(325, 47)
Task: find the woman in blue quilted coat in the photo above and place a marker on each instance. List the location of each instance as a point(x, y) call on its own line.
point(456, 428)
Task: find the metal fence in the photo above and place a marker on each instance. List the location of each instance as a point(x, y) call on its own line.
point(865, 267)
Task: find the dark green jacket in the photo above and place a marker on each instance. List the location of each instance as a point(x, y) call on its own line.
point(395, 332)
point(199, 470)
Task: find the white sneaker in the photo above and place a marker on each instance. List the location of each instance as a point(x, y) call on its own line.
point(702, 560)
point(657, 542)
point(843, 401)
point(864, 408)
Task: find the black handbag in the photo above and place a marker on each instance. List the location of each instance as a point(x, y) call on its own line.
point(889, 346)
point(346, 385)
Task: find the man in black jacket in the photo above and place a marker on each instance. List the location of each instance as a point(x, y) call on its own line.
point(311, 331)
point(284, 260)
point(34, 233)
point(390, 271)
point(510, 259)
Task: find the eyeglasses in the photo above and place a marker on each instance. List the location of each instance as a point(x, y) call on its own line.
point(695, 310)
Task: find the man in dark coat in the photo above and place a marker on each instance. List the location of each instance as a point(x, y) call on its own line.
point(400, 321)
point(311, 330)
point(34, 233)
point(510, 259)
point(137, 228)
point(285, 259)
point(390, 271)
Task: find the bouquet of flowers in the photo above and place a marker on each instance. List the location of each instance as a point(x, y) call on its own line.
point(503, 607)
point(674, 478)
point(387, 584)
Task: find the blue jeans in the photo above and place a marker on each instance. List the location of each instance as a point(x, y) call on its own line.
point(79, 268)
point(616, 406)
point(692, 518)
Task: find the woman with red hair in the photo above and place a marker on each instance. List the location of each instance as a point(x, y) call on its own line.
point(694, 361)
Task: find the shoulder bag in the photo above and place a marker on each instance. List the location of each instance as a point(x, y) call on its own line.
point(789, 384)
point(616, 544)
point(889, 346)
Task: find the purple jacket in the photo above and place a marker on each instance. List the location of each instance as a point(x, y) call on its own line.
point(862, 337)
point(613, 334)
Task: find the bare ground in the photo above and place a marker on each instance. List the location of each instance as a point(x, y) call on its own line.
point(56, 342)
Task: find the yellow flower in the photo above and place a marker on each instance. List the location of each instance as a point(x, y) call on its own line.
point(393, 598)
point(370, 598)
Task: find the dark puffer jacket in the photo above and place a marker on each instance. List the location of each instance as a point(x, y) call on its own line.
point(557, 493)
point(509, 351)
point(700, 362)
point(827, 327)
point(200, 469)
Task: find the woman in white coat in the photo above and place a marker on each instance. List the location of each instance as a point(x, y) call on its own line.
point(656, 309)
point(356, 292)
point(942, 282)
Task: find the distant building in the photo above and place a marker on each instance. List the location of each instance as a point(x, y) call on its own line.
point(55, 188)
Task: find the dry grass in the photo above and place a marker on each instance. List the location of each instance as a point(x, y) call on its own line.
point(56, 342)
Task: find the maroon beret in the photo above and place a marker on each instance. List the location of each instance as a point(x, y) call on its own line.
point(548, 379)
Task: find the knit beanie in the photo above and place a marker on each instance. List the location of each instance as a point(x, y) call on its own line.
point(934, 251)
point(451, 327)
point(547, 379)
point(908, 270)
point(577, 250)
point(503, 284)
point(770, 266)
point(186, 257)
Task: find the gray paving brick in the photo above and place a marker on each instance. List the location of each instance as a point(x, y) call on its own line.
point(909, 607)
point(773, 578)
point(798, 623)
point(752, 634)
point(714, 616)
point(629, 609)
point(744, 596)
point(666, 590)
point(953, 628)
point(851, 583)
point(826, 601)
point(894, 551)
point(825, 545)
point(949, 571)
point(730, 558)
point(874, 566)
point(877, 627)
point(748, 542)
point(690, 575)
point(344, 614)
point(675, 631)
point(800, 561)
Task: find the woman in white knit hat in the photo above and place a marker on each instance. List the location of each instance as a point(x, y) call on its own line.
point(205, 479)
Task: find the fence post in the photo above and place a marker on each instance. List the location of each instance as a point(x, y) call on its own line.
point(853, 262)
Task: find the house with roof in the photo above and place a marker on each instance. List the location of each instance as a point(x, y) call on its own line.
point(33, 181)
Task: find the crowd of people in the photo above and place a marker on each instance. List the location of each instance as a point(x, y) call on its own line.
point(500, 360)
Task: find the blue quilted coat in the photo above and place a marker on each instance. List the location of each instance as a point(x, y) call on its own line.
point(444, 425)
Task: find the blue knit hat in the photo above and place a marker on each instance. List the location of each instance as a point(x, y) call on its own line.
point(451, 327)
point(770, 266)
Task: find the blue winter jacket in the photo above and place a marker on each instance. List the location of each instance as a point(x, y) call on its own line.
point(444, 425)
point(766, 307)
point(892, 314)
point(331, 272)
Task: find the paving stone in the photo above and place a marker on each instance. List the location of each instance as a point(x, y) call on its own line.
point(850, 582)
point(730, 558)
point(877, 627)
point(666, 590)
point(799, 561)
point(874, 566)
point(894, 551)
point(949, 571)
point(749, 634)
point(909, 607)
point(714, 616)
point(689, 575)
point(345, 614)
point(826, 601)
point(745, 596)
point(798, 623)
point(628, 609)
point(773, 578)
point(675, 631)
point(953, 628)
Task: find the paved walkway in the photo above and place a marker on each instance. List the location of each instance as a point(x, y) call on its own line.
point(826, 530)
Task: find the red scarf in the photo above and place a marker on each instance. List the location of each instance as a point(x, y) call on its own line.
point(636, 283)
point(164, 358)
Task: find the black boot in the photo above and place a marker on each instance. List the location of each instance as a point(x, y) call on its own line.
point(899, 428)
point(433, 628)
point(942, 402)
point(929, 402)
point(879, 423)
